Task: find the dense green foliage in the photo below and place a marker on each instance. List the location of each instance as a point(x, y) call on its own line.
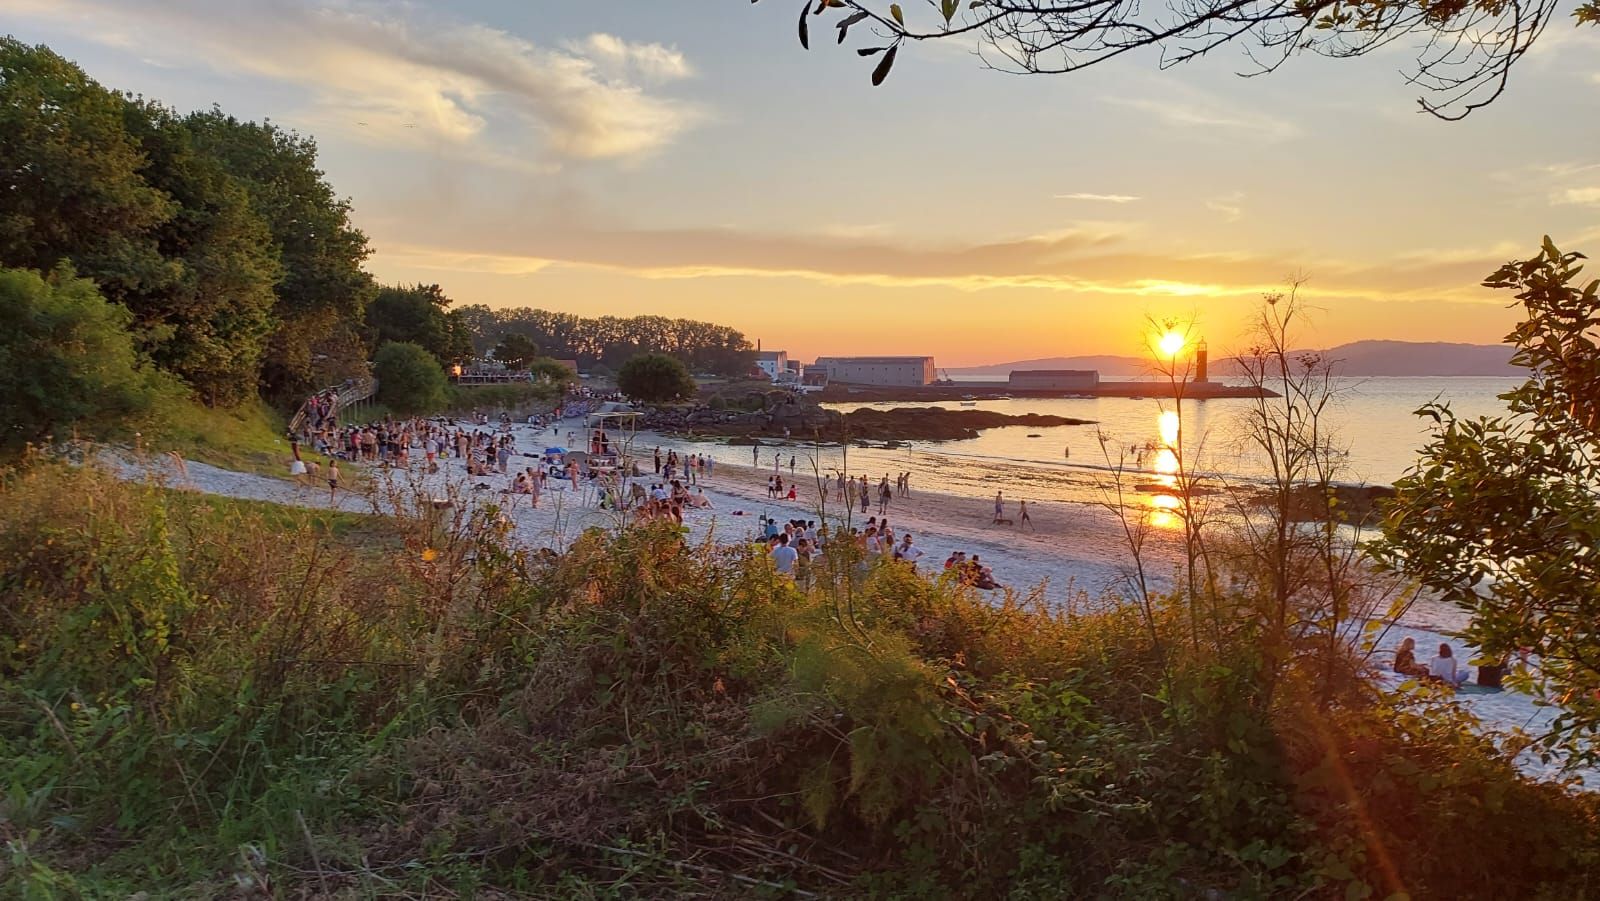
point(220, 237)
point(610, 341)
point(66, 359)
point(655, 378)
point(323, 291)
point(420, 315)
point(1502, 514)
point(410, 380)
point(201, 696)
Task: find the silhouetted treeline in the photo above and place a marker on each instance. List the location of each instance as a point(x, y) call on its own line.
point(610, 340)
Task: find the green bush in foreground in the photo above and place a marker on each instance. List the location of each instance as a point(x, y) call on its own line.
point(185, 682)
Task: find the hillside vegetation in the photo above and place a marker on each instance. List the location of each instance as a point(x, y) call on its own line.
point(200, 698)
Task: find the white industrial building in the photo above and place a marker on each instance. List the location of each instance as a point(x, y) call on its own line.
point(773, 362)
point(894, 371)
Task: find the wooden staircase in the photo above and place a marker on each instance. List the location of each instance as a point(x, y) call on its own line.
point(348, 393)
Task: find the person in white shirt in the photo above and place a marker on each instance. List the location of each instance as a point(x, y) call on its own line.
point(872, 542)
point(908, 552)
point(784, 556)
point(1445, 669)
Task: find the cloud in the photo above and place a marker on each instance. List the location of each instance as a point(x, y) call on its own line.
point(1100, 198)
point(1090, 259)
point(1229, 205)
point(410, 76)
point(1199, 114)
point(1589, 196)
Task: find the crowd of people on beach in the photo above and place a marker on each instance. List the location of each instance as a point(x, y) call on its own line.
point(485, 448)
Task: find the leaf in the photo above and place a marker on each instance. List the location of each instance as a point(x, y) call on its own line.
point(882, 72)
point(844, 26)
point(948, 8)
point(805, 31)
point(870, 51)
point(894, 10)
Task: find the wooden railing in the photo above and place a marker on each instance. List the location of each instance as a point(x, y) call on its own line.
point(346, 394)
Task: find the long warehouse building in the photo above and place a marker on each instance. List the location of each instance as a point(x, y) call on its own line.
point(895, 371)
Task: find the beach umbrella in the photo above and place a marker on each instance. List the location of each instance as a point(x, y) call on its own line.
point(553, 451)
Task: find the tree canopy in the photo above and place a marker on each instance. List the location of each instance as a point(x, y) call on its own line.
point(611, 340)
point(516, 350)
point(410, 380)
point(655, 378)
point(1463, 50)
point(222, 238)
point(1502, 514)
point(421, 315)
point(67, 359)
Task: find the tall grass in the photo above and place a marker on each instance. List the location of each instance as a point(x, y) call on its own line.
point(200, 697)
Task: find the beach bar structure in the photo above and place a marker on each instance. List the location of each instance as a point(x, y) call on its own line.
point(1054, 379)
point(911, 372)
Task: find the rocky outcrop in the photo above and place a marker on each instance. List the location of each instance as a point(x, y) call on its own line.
point(783, 415)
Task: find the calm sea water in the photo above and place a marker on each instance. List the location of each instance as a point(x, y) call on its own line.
point(1373, 419)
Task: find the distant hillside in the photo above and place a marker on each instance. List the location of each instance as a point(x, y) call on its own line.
point(1359, 358)
point(1423, 358)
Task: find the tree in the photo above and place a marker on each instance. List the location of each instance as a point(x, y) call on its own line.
point(418, 314)
point(655, 378)
point(1501, 516)
point(67, 359)
point(71, 172)
point(207, 311)
point(323, 293)
point(410, 380)
point(516, 351)
point(1465, 48)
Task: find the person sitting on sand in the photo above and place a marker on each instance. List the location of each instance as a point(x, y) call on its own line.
point(955, 559)
point(1444, 668)
point(1405, 660)
point(792, 495)
point(699, 500)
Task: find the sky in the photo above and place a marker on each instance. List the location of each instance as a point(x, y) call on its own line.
point(623, 157)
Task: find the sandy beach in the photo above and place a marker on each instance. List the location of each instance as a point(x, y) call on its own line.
point(1072, 549)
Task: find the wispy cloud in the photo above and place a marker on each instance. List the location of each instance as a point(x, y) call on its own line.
point(1200, 114)
point(1589, 196)
point(1089, 261)
point(408, 75)
point(1229, 205)
point(1099, 198)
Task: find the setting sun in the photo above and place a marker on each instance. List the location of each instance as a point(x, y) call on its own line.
point(1171, 343)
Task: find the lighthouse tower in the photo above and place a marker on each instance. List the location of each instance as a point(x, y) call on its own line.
point(1200, 362)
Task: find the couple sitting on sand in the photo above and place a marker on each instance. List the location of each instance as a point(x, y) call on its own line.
point(1442, 668)
point(971, 571)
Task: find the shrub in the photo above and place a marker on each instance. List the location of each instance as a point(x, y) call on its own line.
point(67, 361)
point(655, 378)
point(410, 380)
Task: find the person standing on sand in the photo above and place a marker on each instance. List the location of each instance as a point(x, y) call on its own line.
point(884, 494)
point(791, 466)
point(658, 461)
point(1024, 520)
point(866, 497)
point(333, 478)
point(999, 508)
point(755, 455)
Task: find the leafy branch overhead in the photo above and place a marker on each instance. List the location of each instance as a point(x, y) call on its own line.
point(1464, 50)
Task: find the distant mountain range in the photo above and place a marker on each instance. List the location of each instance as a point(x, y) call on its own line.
point(1360, 358)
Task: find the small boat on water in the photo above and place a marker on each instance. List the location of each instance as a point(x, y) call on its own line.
point(969, 403)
